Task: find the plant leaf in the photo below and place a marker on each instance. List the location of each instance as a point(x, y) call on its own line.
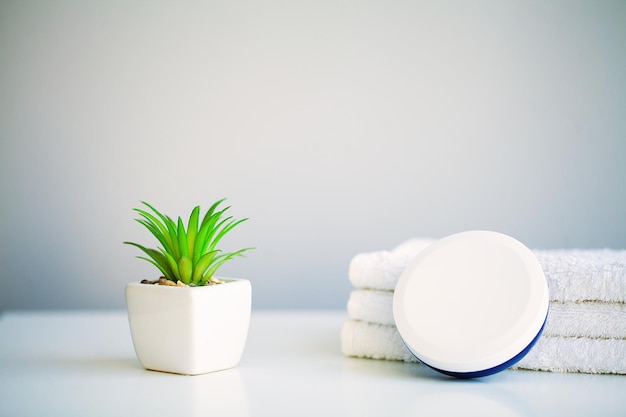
point(156, 232)
point(192, 231)
point(173, 266)
point(230, 226)
point(202, 265)
point(155, 226)
point(207, 230)
point(170, 230)
point(210, 211)
point(155, 264)
point(219, 261)
point(185, 269)
point(182, 240)
point(173, 232)
point(157, 259)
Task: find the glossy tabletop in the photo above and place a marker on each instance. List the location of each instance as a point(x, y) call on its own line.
point(83, 364)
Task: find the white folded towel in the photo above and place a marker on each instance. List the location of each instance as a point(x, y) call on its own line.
point(381, 269)
point(585, 319)
point(572, 275)
point(556, 354)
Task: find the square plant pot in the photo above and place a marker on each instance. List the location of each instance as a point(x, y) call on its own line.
point(189, 330)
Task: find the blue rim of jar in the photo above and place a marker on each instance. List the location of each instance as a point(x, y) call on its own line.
point(493, 370)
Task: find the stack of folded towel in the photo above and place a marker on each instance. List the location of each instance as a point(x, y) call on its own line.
point(585, 330)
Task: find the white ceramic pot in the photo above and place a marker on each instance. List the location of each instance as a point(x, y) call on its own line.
point(189, 330)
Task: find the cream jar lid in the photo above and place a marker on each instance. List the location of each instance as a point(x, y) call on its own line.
point(471, 304)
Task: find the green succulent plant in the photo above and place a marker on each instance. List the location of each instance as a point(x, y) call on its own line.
point(188, 255)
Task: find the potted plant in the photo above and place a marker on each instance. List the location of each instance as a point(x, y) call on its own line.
point(188, 321)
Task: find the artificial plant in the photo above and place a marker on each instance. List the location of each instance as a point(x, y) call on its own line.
point(188, 255)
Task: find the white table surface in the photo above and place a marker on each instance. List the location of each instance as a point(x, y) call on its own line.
point(83, 364)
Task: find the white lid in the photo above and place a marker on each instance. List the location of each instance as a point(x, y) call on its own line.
point(471, 301)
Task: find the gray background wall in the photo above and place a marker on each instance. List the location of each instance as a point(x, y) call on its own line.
point(336, 126)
